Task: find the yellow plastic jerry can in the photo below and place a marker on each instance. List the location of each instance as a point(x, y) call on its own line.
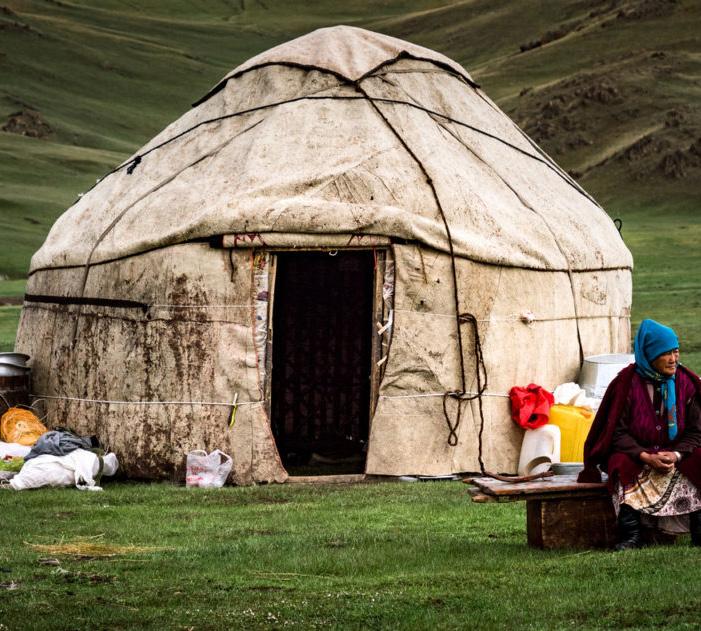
point(574, 423)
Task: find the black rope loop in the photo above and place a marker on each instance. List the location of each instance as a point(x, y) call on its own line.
point(480, 368)
point(452, 427)
point(462, 395)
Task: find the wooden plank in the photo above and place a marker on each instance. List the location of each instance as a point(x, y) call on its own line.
point(377, 313)
point(271, 262)
point(351, 478)
point(570, 523)
point(480, 498)
point(555, 484)
point(546, 495)
point(294, 241)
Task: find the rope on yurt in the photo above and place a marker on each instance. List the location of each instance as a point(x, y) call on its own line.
point(227, 404)
point(459, 395)
point(521, 317)
point(480, 370)
point(424, 395)
point(341, 77)
point(547, 225)
point(553, 165)
point(115, 303)
point(132, 163)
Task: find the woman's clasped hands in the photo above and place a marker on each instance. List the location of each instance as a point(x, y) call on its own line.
point(661, 461)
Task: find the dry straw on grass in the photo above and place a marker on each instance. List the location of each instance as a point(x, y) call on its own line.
point(89, 548)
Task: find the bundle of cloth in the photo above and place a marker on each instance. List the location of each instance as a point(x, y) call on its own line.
point(647, 437)
point(62, 458)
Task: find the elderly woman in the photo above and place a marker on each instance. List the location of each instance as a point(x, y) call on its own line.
point(647, 437)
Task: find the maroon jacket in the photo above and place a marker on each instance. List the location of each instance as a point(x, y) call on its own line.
point(625, 465)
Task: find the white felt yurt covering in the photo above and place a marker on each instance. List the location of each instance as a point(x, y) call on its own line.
point(143, 334)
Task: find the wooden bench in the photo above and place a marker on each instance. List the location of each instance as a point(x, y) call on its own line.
point(560, 513)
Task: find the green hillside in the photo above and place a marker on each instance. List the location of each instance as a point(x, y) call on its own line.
point(610, 88)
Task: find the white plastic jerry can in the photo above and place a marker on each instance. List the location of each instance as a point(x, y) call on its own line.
point(540, 448)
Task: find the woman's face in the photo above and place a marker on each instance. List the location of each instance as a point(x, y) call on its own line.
point(666, 364)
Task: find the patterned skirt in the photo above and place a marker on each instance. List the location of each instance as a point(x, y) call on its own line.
point(664, 499)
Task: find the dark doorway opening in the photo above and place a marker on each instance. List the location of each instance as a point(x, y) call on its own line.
point(322, 344)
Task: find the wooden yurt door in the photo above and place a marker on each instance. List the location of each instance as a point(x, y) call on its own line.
point(321, 360)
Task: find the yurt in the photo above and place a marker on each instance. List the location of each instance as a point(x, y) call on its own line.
point(339, 260)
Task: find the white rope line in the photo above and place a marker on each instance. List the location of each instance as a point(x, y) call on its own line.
point(513, 318)
point(238, 403)
point(452, 315)
point(106, 401)
point(440, 394)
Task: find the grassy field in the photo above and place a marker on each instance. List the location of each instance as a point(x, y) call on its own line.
point(667, 274)
point(389, 556)
point(9, 319)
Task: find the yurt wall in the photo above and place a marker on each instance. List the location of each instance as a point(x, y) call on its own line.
point(183, 330)
point(527, 332)
point(194, 341)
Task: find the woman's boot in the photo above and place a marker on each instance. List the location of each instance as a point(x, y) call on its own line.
point(695, 528)
point(629, 529)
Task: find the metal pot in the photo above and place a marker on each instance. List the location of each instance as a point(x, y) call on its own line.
point(598, 371)
point(14, 359)
point(566, 468)
point(12, 370)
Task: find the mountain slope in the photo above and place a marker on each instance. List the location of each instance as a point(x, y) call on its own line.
point(609, 88)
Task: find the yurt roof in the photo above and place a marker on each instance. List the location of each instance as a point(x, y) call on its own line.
point(347, 51)
point(344, 131)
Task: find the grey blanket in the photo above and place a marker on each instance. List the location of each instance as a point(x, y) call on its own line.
point(60, 443)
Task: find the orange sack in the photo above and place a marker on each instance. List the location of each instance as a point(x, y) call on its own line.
point(21, 426)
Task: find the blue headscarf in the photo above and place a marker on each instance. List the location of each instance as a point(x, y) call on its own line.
point(654, 339)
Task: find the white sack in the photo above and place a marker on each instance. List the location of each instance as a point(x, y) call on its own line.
point(110, 464)
point(79, 468)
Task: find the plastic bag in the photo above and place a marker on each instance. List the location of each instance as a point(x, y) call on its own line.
point(570, 394)
point(207, 470)
point(530, 406)
point(21, 426)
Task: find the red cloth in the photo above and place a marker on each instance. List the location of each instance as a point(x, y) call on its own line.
point(530, 406)
point(598, 448)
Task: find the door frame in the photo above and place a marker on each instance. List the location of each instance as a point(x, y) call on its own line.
point(381, 311)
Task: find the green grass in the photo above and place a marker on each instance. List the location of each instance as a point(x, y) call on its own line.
point(411, 556)
point(9, 320)
point(10, 291)
point(667, 274)
point(12, 288)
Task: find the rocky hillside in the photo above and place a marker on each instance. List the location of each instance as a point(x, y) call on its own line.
point(610, 88)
